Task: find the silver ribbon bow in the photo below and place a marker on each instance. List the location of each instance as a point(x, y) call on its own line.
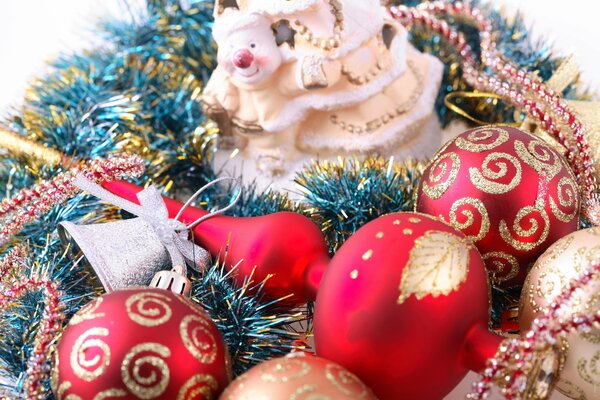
point(171, 232)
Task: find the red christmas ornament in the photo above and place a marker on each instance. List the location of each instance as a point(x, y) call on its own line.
point(141, 343)
point(509, 192)
point(404, 305)
point(285, 246)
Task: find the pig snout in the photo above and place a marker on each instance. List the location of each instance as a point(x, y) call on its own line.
point(243, 59)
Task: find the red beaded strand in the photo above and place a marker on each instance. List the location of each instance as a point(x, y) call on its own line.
point(29, 204)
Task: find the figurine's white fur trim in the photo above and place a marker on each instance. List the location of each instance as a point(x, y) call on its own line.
point(233, 20)
point(393, 135)
point(278, 8)
point(296, 110)
point(361, 28)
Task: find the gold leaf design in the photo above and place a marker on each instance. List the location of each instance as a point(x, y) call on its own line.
point(438, 264)
point(87, 312)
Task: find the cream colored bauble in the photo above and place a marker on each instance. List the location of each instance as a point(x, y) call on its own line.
point(562, 262)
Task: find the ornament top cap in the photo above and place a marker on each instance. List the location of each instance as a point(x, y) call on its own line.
point(173, 281)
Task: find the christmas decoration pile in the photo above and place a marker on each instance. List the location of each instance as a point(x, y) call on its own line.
point(403, 261)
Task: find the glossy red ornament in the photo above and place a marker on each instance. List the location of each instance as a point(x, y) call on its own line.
point(141, 343)
point(508, 191)
point(404, 305)
point(285, 246)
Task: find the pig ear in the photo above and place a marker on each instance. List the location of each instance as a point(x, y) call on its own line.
point(222, 5)
point(284, 33)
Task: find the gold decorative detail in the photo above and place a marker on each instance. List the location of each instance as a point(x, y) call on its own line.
point(379, 235)
point(60, 391)
point(568, 196)
point(54, 375)
point(327, 43)
point(484, 179)
point(110, 393)
point(346, 382)
point(313, 73)
point(589, 370)
point(484, 220)
point(396, 222)
point(148, 308)
point(201, 386)
point(437, 265)
point(361, 79)
point(540, 157)
point(90, 369)
point(286, 370)
point(368, 254)
point(302, 390)
point(87, 312)
point(414, 220)
point(476, 140)
point(150, 357)
point(198, 339)
point(354, 274)
point(388, 116)
point(407, 232)
point(526, 233)
point(446, 165)
point(570, 390)
point(501, 267)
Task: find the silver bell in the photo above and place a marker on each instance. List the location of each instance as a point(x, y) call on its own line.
point(122, 253)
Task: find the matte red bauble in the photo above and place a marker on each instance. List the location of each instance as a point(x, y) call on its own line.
point(286, 247)
point(509, 192)
point(141, 343)
point(404, 305)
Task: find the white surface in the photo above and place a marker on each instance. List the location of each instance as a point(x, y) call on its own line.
point(33, 31)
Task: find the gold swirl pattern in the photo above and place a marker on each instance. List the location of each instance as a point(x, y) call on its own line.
point(149, 356)
point(433, 186)
point(484, 220)
point(501, 266)
point(148, 308)
point(539, 156)
point(568, 197)
point(589, 370)
point(60, 391)
point(549, 284)
point(90, 369)
point(286, 370)
point(87, 312)
point(110, 393)
point(476, 140)
point(308, 389)
point(198, 386)
point(484, 179)
point(198, 339)
point(524, 232)
point(570, 390)
point(346, 382)
point(592, 305)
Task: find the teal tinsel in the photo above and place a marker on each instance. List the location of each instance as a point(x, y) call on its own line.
point(140, 93)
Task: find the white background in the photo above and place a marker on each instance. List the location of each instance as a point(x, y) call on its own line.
point(34, 31)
